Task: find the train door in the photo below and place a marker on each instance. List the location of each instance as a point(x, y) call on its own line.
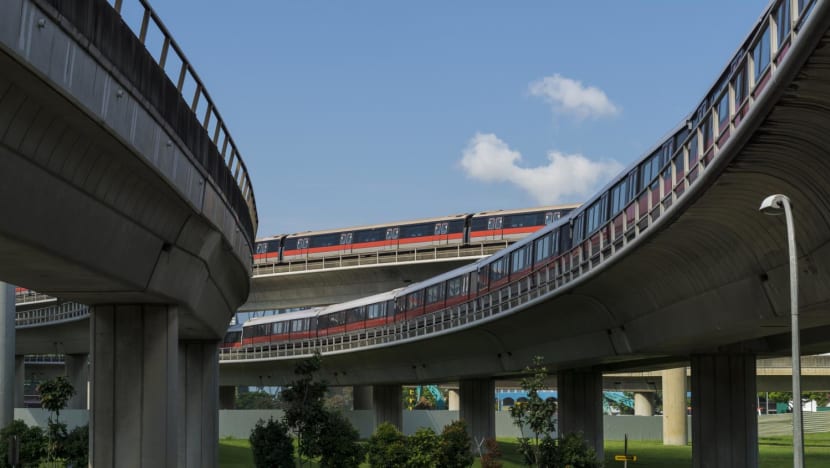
point(495, 229)
point(302, 247)
point(441, 237)
point(392, 235)
point(346, 243)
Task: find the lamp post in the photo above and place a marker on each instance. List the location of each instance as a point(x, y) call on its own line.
point(775, 205)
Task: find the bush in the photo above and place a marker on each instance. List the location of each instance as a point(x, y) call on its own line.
point(76, 446)
point(573, 451)
point(387, 447)
point(456, 446)
point(492, 452)
point(424, 449)
point(339, 443)
point(271, 445)
point(32, 443)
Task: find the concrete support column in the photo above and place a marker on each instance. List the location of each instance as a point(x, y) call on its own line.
point(19, 381)
point(478, 408)
point(362, 397)
point(580, 406)
point(724, 417)
point(77, 372)
point(643, 404)
point(388, 403)
point(227, 397)
point(198, 404)
point(134, 374)
point(452, 400)
point(7, 362)
point(675, 430)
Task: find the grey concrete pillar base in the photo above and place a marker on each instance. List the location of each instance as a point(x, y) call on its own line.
point(362, 397)
point(7, 361)
point(134, 372)
point(227, 397)
point(77, 372)
point(675, 426)
point(724, 416)
point(198, 404)
point(477, 401)
point(580, 406)
point(388, 403)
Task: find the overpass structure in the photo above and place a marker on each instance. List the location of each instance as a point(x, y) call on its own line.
point(128, 194)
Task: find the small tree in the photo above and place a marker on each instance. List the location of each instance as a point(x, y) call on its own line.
point(54, 395)
point(424, 449)
point(271, 445)
point(456, 446)
point(535, 417)
point(339, 443)
point(256, 400)
point(387, 447)
point(304, 411)
point(32, 443)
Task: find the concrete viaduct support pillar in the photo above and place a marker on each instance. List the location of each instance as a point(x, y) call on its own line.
point(19, 381)
point(7, 358)
point(388, 403)
point(643, 404)
point(724, 418)
point(77, 372)
point(452, 400)
point(675, 430)
point(198, 404)
point(362, 397)
point(580, 406)
point(477, 407)
point(227, 397)
point(134, 414)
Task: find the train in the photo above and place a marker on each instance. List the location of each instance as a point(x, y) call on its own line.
point(629, 202)
point(460, 229)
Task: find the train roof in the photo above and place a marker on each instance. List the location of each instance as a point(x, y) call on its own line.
point(300, 314)
point(382, 297)
point(269, 238)
point(384, 225)
point(443, 276)
point(538, 209)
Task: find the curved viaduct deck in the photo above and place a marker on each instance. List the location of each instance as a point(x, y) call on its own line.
point(708, 274)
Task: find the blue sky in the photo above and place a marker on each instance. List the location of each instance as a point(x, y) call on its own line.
point(360, 112)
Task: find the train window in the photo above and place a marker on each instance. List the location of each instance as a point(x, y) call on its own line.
point(619, 196)
point(499, 222)
point(435, 293)
point(542, 247)
point(302, 243)
point(707, 132)
point(649, 170)
point(440, 228)
point(548, 218)
point(578, 224)
point(368, 235)
point(414, 300)
point(483, 276)
point(497, 269)
point(761, 54)
point(782, 19)
point(739, 85)
point(392, 233)
point(596, 214)
point(555, 241)
point(358, 314)
point(520, 259)
point(458, 286)
point(694, 151)
point(346, 238)
point(400, 304)
point(374, 311)
point(297, 325)
point(723, 112)
point(261, 248)
point(491, 223)
point(415, 230)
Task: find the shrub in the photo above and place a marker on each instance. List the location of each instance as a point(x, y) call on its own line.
point(456, 446)
point(492, 452)
point(271, 445)
point(76, 446)
point(387, 447)
point(573, 451)
point(424, 449)
point(32, 443)
point(339, 443)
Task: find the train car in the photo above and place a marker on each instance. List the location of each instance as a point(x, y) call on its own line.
point(359, 314)
point(277, 329)
point(267, 250)
point(442, 231)
point(232, 338)
point(505, 225)
point(436, 293)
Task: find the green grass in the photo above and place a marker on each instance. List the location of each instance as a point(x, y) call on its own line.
point(774, 452)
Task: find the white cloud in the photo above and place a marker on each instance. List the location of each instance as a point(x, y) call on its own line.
point(568, 96)
point(566, 177)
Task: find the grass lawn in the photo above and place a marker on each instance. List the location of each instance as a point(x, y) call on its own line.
point(774, 452)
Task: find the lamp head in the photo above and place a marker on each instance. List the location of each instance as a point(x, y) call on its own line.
point(774, 204)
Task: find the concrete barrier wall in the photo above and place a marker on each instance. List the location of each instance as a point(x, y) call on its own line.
point(40, 417)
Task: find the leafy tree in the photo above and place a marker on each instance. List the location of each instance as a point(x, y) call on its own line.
point(257, 400)
point(339, 443)
point(387, 447)
point(424, 449)
point(535, 415)
point(54, 395)
point(304, 411)
point(32, 443)
point(456, 446)
point(272, 445)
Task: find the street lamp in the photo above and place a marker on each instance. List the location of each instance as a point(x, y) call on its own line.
point(775, 205)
